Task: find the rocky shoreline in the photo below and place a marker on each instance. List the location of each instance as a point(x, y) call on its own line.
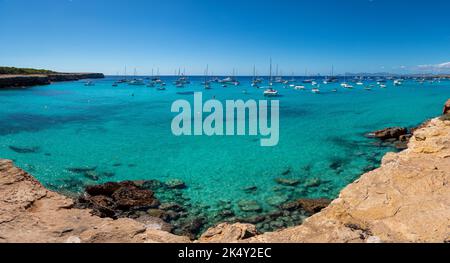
point(17, 81)
point(405, 200)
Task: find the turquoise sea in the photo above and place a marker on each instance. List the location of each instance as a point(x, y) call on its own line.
point(124, 132)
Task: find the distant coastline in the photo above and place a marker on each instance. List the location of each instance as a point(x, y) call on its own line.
point(20, 77)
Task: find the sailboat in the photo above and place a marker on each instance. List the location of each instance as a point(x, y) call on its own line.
point(255, 81)
point(345, 84)
point(331, 79)
point(206, 83)
point(316, 90)
point(124, 80)
point(270, 92)
point(306, 80)
point(151, 84)
point(292, 80)
point(135, 81)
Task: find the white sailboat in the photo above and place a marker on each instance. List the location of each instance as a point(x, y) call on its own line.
point(270, 92)
point(206, 83)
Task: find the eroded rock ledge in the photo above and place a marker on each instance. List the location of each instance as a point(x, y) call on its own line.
point(31, 213)
point(406, 200)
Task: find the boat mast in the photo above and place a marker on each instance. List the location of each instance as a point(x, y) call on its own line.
point(270, 73)
point(276, 73)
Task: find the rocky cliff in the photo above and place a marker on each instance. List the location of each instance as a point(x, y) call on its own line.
point(11, 81)
point(406, 200)
point(31, 213)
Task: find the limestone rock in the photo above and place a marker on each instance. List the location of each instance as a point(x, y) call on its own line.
point(30, 213)
point(390, 133)
point(227, 233)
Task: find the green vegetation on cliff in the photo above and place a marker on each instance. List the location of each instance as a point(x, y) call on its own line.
point(23, 71)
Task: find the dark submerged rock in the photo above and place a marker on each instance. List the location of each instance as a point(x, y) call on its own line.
point(250, 189)
point(175, 184)
point(106, 189)
point(249, 206)
point(286, 181)
point(127, 197)
point(24, 150)
point(118, 199)
point(276, 200)
point(287, 171)
point(92, 175)
point(313, 182)
point(81, 170)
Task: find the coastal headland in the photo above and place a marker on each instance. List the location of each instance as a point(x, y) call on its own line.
point(16, 78)
point(405, 200)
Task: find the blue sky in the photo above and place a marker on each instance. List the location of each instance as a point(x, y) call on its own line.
point(105, 35)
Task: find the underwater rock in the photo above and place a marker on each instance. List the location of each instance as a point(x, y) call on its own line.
point(290, 206)
point(192, 227)
point(286, 181)
point(150, 184)
point(250, 189)
point(252, 219)
point(277, 224)
point(249, 206)
point(173, 215)
point(171, 206)
point(106, 189)
point(92, 175)
point(24, 149)
point(133, 198)
point(313, 182)
point(287, 171)
point(81, 170)
point(274, 214)
point(120, 198)
point(175, 184)
point(107, 174)
point(226, 213)
point(336, 164)
point(154, 212)
point(276, 200)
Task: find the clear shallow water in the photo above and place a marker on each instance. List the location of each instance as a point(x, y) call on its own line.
point(321, 137)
